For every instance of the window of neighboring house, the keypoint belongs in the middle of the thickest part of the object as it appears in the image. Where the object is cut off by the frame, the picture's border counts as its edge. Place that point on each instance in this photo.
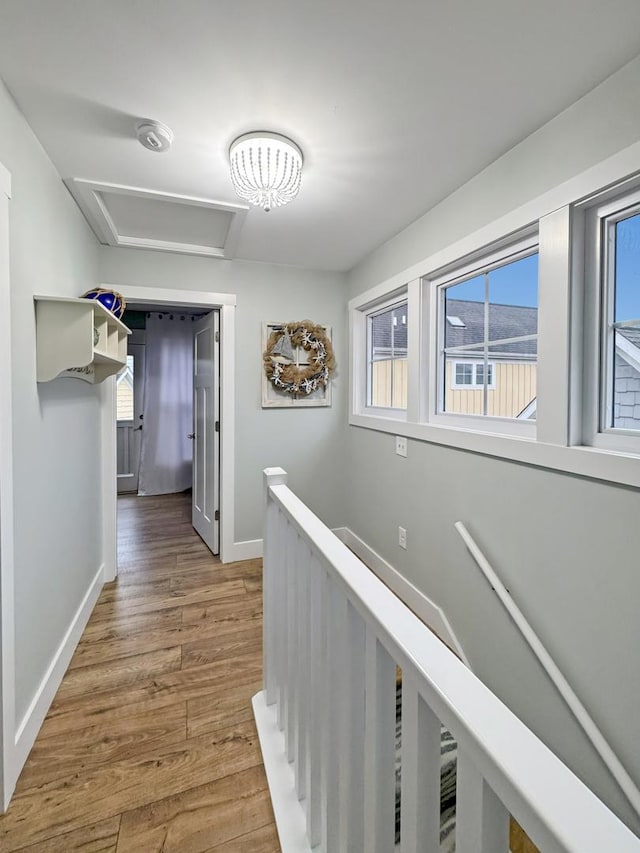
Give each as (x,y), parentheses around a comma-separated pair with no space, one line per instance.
(620,326)
(387,356)
(470,374)
(124,394)
(487,357)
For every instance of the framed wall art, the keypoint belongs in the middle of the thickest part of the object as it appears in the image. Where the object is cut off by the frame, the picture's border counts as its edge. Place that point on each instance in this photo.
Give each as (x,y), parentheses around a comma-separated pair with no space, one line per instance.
(298,363)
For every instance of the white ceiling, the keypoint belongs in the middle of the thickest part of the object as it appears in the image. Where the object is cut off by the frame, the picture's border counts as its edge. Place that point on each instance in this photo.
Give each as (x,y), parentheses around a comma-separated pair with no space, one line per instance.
(394,103)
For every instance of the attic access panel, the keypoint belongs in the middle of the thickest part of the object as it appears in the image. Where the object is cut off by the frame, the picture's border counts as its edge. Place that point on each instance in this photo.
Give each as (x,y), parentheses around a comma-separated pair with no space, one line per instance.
(146,219)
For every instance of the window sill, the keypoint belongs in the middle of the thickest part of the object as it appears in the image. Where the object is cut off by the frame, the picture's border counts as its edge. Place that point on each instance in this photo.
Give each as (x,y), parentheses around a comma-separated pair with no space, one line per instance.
(598,464)
(386,414)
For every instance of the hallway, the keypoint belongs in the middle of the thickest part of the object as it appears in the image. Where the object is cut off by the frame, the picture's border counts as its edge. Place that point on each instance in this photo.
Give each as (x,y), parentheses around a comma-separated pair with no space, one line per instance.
(150,743)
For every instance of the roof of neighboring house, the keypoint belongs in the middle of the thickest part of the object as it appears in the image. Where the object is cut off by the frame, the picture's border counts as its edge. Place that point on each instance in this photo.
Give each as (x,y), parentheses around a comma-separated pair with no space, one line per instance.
(381,333)
(632,335)
(505,321)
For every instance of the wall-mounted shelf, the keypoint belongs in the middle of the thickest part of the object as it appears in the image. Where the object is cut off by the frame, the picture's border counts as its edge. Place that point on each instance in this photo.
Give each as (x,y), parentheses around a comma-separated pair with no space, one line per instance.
(78,338)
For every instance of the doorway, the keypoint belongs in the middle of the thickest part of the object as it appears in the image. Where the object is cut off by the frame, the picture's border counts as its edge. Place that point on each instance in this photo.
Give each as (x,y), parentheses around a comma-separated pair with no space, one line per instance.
(165,299)
(168,411)
(129,417)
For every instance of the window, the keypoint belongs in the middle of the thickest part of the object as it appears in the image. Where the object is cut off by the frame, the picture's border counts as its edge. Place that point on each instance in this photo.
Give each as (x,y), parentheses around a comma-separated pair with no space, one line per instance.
(470,374)
(488,354)
(387,357)
(124,393)
(479,345)
(620,329)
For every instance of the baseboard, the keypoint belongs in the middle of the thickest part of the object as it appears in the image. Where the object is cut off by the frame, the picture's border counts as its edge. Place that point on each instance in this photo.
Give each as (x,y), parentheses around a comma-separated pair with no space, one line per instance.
(427,610)
(289,815)
(249,549)
(30,724)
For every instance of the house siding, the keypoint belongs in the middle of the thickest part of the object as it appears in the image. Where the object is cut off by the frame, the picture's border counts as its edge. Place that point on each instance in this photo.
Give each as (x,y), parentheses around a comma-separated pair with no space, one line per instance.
(626,396)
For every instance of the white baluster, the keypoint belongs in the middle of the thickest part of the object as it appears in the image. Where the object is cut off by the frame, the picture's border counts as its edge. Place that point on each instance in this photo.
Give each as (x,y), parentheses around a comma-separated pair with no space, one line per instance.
(482,822)
(318,699)
(292,642)
(303,667)
(420,800)
(270,569)
(352,747)
(380,719)
(281,621)
(335,720)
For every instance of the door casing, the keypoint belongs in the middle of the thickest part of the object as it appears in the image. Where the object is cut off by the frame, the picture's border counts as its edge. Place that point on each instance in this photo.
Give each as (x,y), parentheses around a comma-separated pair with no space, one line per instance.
(226,303)
(206,444)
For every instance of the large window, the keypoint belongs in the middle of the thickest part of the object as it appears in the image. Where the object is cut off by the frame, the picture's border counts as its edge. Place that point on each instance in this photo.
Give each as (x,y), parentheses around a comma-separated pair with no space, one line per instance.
(525,337)
(387,357)
(489,338)
(620,387)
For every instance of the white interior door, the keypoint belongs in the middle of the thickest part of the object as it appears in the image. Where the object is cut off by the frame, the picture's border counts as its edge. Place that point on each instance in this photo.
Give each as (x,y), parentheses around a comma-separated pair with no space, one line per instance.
(206,429)
(129,402)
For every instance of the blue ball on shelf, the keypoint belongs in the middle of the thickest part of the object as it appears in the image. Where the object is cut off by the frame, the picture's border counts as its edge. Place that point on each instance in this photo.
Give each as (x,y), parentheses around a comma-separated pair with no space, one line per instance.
(111,300)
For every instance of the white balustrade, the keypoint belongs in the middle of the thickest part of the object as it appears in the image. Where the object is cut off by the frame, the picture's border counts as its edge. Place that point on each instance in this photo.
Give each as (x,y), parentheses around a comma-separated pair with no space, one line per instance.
(333,635)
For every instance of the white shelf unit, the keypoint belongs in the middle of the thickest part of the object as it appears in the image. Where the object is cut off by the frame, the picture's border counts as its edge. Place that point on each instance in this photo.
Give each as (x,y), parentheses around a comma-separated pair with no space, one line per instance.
(78,338)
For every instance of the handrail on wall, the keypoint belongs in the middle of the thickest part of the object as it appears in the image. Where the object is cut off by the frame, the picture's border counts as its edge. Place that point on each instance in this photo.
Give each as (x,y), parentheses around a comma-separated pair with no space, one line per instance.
(601,745)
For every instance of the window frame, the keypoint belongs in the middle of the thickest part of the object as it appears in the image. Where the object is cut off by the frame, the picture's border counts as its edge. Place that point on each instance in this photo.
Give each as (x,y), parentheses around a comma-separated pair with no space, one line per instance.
(359,355)
(567,328)
(383,308)
(610,208)
(493,257)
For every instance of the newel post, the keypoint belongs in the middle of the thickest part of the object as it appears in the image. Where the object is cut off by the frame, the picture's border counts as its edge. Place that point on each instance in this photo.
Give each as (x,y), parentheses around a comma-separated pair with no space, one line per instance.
(272,477)
(273,552)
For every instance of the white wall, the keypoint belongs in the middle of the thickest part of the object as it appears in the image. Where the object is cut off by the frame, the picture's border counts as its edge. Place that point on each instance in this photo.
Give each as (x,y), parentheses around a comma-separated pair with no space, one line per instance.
(306,442)
(56,425)
(566,547)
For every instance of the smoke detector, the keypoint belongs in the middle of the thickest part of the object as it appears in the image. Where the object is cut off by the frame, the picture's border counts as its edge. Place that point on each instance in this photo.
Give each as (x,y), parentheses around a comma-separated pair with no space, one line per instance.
(154,135)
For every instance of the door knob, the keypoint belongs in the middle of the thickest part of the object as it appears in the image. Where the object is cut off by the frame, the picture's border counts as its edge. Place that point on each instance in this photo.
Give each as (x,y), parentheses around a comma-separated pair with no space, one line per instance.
(191,435)
(137,429)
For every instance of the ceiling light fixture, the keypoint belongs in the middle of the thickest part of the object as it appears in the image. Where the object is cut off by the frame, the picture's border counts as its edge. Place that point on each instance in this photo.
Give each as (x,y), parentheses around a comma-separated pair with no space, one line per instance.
(265,168)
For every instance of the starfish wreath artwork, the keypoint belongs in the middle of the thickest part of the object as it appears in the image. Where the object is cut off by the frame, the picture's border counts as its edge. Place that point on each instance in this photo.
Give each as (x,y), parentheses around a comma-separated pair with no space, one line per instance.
(279,358)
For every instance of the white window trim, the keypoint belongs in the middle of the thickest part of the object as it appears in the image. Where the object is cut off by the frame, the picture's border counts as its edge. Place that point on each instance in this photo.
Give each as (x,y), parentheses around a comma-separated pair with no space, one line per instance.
(360,375)
(599,359)
(560,443)
(434,320)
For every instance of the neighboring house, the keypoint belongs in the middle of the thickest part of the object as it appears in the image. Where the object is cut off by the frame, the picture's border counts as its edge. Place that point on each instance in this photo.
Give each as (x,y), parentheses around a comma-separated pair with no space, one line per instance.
(511,359)
(388,369)
(626,413)
(125,392)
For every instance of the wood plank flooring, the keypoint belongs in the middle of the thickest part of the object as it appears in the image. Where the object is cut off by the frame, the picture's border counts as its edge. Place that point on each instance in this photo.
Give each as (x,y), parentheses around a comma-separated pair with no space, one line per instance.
(150,743)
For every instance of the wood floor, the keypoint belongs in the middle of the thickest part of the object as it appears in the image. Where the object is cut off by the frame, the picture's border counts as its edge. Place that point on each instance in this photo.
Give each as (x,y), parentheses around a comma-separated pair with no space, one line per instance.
(150,743)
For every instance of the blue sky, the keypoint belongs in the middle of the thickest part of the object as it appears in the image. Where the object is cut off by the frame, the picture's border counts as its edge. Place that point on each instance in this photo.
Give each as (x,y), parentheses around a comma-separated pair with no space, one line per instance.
(628,269)
(513,284)
(517,283)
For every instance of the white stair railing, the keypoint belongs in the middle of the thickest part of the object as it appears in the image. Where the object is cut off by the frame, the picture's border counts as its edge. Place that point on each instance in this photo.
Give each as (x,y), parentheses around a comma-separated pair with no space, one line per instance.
(333,635)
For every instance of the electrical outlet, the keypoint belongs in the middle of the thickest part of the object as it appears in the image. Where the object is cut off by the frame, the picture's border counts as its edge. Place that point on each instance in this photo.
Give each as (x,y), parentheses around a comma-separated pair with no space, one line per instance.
(402,537)
(401,445)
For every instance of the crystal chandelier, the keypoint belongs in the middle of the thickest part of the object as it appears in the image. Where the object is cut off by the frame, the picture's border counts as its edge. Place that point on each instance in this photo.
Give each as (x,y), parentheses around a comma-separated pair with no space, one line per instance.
(265,168)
